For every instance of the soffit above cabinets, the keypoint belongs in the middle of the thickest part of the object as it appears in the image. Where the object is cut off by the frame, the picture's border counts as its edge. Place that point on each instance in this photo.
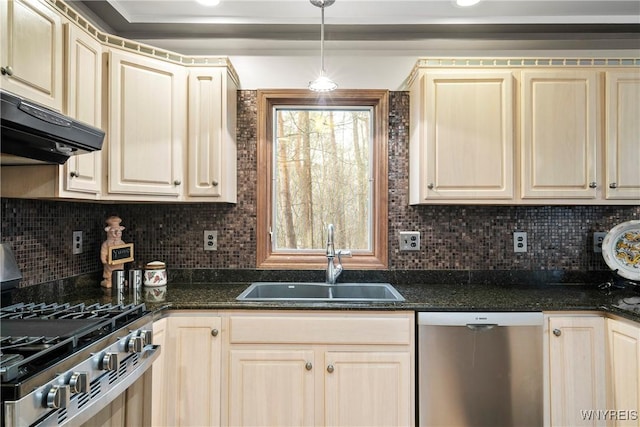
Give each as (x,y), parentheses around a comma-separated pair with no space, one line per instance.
(366,19)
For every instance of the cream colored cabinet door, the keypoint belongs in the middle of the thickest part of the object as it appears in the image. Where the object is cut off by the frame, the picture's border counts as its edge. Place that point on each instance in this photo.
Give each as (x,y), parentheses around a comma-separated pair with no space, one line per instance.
(83,173)
(211,163)
(192,361)
(559,128)
(624,370)
(622,143)
(367,389)
(327,368)
(147,127)
(31,52)
(462,136)
(270,387)
(576,346)
(159,376)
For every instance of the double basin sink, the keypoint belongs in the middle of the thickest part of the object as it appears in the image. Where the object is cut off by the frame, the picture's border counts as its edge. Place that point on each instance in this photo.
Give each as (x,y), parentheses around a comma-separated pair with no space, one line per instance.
(320,292)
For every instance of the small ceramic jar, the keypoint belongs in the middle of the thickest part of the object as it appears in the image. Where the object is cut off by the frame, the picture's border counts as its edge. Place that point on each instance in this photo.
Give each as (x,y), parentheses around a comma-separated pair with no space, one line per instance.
(155,274)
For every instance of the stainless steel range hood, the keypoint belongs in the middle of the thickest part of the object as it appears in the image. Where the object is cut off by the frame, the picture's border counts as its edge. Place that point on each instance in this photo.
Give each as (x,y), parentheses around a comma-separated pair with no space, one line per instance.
(32,133)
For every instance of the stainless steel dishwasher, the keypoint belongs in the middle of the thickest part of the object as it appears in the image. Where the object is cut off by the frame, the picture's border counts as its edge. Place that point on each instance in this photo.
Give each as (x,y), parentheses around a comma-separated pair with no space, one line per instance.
(480,369)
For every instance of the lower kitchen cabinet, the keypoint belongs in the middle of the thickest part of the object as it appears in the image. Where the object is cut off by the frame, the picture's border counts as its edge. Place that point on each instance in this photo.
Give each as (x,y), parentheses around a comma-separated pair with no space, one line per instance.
(624,372)
(367,388)
(330,368)
(575,376)
(271,387)
(158,400)
(187,392)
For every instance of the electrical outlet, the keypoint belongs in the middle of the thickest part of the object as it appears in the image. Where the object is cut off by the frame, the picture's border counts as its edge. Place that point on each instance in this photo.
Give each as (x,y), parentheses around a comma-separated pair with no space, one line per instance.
(77,242)
(409,240)
(210,240)
(520,241)
(598,237)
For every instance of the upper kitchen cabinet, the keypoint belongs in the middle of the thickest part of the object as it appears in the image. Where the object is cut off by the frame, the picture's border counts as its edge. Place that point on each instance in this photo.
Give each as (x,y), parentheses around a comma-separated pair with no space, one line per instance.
(211,154)
(524,131)
(82,174)
(622,135)
(559,131)
(31,55)
(147,128)
(462,131)
(80,177)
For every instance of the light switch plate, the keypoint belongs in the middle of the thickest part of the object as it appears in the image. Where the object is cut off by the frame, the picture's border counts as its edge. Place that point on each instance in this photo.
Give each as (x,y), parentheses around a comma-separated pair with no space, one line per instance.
(409,240)
(77,242)
(519,241)
(210,240)
(598,237)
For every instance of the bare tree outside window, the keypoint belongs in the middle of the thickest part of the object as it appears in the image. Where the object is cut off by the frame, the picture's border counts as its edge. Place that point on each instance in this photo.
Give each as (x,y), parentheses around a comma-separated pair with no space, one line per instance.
(323,176)
(322,159)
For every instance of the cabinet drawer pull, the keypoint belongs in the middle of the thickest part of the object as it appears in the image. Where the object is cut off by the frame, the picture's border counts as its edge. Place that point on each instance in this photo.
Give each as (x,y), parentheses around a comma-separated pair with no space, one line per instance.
(7,70)
(308,366)
(214,332)
(557,332)
(330,368)
(593,184)
(613,185)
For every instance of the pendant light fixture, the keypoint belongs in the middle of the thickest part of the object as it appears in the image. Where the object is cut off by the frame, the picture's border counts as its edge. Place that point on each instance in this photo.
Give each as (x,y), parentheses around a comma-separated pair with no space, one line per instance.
(322,83)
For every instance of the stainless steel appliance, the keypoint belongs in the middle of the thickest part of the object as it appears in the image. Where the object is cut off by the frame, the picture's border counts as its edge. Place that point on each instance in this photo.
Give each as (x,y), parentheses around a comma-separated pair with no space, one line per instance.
(32,131)
(61,364)
(10,274)
(480,369)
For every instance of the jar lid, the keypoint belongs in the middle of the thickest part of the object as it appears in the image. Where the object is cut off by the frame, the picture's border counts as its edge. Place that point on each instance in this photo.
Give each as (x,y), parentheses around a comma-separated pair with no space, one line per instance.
(155,265)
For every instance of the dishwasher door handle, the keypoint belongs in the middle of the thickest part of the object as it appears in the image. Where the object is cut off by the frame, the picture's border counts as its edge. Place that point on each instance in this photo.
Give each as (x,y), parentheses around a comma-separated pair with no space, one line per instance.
(481,326)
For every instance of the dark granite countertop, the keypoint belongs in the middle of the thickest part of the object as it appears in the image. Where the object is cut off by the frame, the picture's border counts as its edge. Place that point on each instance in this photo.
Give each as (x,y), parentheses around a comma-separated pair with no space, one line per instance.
(419,297)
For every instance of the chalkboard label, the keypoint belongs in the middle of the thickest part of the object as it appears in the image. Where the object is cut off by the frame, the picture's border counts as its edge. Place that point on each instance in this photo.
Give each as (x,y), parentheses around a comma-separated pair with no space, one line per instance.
(120,254)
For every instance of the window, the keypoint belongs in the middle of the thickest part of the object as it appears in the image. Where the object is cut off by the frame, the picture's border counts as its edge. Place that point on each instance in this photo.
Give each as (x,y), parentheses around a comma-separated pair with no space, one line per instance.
(321,160)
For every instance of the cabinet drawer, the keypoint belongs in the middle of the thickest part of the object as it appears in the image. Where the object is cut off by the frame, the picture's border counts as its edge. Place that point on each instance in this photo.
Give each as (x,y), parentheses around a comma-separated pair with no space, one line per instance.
(334,329)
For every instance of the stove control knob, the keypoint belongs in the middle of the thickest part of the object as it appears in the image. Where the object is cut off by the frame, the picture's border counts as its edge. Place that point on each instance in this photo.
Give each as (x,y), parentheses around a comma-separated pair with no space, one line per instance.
(136,344)
(148,336)
(58,397)
(109,362)
(79,382)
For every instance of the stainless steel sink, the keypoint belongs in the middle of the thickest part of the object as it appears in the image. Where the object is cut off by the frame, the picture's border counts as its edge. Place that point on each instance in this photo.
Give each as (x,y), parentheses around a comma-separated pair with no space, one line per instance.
(320,292)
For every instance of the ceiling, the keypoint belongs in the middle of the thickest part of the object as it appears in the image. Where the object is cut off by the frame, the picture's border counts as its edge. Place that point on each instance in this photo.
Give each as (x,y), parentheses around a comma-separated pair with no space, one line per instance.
(369,19)
(369,43)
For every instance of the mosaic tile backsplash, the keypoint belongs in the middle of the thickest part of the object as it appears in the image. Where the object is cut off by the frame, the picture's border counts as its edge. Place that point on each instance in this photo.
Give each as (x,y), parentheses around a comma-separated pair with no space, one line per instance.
(457,238)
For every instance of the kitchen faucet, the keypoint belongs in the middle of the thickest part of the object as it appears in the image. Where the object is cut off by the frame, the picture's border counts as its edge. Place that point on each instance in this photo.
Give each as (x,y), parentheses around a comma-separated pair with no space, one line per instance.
(333,270)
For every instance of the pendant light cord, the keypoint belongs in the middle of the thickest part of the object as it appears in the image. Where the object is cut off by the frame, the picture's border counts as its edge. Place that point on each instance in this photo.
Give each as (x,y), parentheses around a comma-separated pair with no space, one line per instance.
(322,41)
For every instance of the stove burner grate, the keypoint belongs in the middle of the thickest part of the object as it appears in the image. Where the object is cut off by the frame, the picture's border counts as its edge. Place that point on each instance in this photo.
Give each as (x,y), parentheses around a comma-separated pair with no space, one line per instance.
(44,334)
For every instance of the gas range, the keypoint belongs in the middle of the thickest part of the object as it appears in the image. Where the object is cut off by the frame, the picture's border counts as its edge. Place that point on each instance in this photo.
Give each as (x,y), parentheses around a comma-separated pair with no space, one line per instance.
(62,363)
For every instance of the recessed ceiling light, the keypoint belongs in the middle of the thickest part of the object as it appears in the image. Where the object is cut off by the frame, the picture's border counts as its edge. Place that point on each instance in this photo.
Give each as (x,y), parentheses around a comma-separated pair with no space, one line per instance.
(465,3)
(209,2)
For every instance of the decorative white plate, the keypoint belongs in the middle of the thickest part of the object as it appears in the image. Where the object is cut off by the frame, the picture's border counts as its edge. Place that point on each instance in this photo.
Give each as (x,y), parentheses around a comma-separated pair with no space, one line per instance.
(621,249)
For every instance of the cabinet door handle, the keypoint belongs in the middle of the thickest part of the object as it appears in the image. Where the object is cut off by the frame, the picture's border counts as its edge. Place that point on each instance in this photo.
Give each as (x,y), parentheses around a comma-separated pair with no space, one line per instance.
(177,182)
(330,368)
(6,70)
(557,332)
(430,186)
(613,185)
(214,183)
(308,366)
(74,174)
(214,332)
(593,184)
